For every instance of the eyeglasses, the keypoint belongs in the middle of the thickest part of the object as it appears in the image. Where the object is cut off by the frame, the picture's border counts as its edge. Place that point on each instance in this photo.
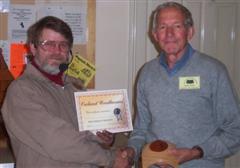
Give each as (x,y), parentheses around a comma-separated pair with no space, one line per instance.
(48,45)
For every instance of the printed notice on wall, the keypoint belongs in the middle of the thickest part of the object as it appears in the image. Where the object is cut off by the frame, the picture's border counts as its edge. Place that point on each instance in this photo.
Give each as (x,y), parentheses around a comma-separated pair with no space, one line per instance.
(82,69)
(17,59)
(75,16)
(21,17)
(4,45)
(4,6)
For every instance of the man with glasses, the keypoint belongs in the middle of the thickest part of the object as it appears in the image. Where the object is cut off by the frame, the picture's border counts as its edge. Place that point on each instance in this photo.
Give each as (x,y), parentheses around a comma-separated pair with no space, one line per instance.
(39,110)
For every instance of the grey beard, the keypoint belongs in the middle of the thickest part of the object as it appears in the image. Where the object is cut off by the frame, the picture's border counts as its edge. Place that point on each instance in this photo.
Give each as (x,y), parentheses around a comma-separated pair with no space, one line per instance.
(53,70)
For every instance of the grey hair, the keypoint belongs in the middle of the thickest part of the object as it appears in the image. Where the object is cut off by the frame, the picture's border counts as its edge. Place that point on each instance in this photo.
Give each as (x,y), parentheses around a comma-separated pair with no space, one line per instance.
(188,22)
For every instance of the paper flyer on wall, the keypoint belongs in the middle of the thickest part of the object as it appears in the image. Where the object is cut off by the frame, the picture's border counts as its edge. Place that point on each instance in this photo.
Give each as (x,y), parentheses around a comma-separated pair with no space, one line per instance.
(82,69)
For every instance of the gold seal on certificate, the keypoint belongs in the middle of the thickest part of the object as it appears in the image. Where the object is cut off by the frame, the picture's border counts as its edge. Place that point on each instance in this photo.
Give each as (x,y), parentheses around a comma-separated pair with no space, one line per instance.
(103,110)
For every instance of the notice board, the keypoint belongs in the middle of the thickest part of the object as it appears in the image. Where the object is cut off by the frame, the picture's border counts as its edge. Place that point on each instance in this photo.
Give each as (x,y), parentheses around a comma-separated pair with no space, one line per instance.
(17,15)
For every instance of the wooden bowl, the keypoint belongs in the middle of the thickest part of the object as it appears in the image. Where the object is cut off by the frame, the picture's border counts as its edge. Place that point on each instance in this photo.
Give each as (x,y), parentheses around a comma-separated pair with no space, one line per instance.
(157,152)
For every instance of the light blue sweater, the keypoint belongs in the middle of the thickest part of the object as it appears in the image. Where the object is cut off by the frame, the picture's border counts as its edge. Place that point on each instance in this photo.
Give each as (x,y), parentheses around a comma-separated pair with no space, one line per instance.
(208,117)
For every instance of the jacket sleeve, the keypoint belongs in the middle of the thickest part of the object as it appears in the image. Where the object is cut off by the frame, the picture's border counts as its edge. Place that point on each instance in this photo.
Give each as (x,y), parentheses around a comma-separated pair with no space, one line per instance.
(30,122)
(226,140)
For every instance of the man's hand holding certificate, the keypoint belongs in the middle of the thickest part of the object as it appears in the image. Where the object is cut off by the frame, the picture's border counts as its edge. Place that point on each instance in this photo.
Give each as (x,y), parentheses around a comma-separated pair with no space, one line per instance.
(103,110)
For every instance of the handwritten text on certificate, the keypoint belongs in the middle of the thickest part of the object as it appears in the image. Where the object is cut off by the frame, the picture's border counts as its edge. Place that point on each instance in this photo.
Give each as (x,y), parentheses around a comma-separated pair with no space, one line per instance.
(103,110)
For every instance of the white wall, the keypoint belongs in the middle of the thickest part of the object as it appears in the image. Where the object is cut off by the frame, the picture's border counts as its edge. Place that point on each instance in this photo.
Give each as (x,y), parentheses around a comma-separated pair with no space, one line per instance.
(112,40)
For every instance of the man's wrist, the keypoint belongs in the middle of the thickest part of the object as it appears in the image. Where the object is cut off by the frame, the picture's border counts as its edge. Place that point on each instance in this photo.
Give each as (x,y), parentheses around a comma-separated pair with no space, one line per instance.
(199,150)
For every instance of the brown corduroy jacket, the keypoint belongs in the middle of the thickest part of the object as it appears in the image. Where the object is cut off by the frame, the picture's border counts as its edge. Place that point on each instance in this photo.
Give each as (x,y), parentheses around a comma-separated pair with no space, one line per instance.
(41,120)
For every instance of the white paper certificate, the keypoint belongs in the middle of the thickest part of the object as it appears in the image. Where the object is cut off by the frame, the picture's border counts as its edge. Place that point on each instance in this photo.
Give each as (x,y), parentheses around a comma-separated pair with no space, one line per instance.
(103,110)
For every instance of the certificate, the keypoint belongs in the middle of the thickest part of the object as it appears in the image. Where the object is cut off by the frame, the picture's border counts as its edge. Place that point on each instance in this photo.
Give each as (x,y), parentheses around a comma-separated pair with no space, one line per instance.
(103,110)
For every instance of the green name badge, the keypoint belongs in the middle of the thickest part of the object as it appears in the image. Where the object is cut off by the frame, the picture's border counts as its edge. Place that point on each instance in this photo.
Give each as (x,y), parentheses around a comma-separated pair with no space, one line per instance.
(189,82)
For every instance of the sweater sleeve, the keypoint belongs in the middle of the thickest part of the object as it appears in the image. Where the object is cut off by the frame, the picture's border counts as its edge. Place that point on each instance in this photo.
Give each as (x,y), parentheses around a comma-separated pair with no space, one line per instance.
(30,122)
(141,123)
(226,139)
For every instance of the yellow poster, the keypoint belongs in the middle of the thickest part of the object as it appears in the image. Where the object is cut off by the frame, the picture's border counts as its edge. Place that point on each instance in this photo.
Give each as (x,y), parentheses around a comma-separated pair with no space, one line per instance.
(82,69)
